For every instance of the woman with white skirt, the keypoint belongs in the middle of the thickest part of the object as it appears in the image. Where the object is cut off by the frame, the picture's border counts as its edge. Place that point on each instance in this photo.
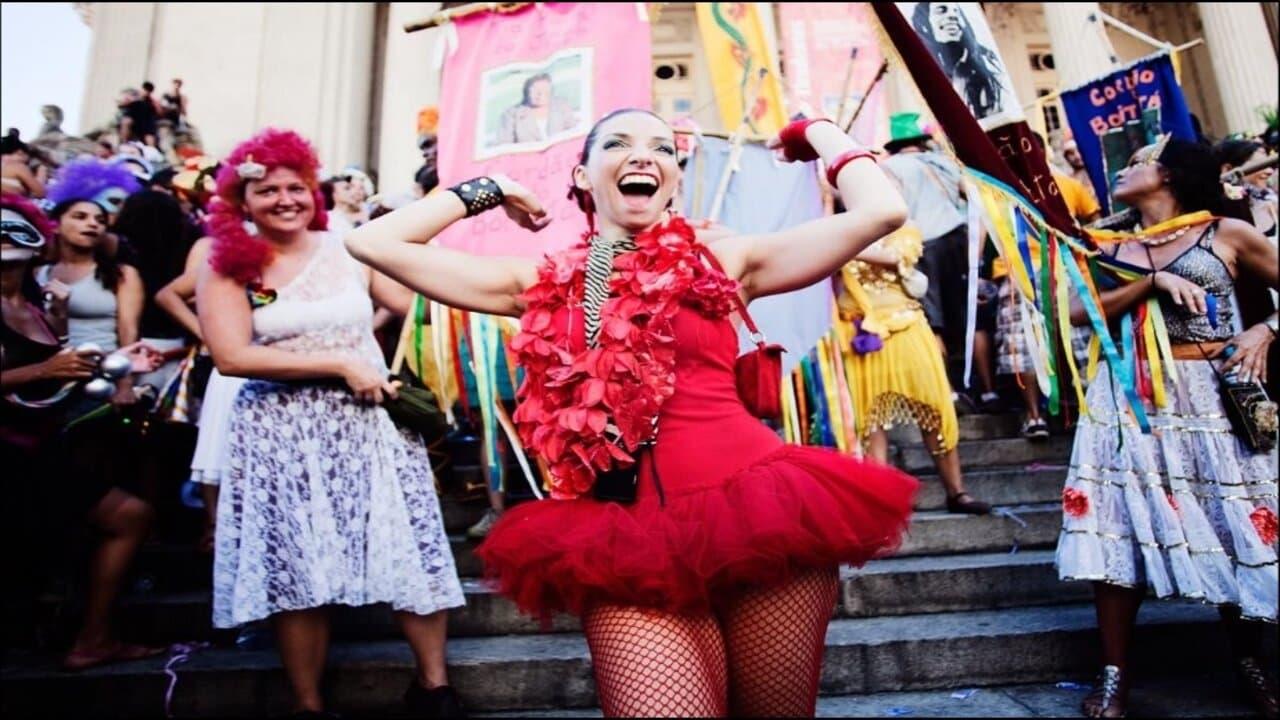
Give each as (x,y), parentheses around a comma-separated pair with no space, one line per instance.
(324,500)
(1188,509)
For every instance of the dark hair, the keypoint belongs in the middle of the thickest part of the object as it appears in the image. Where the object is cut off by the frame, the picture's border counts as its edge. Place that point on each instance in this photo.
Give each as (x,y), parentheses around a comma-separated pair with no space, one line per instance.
(1193,176)
(11,143)
(577,194)
(159,233)
(967,58)
(147,86)
(427,178)
(1235,153)
(107,269)
(326,191)
(528,83)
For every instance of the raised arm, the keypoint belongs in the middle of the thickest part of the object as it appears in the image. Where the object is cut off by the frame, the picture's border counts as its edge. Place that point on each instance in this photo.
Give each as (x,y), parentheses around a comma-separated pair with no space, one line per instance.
(395,244)
(175,297)
(796,257)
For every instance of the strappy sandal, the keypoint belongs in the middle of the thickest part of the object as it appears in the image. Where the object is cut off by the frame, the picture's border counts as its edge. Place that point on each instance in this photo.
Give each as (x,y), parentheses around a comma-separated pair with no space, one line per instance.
(969,506)
(77,660)
(1259,688)
(1104,701)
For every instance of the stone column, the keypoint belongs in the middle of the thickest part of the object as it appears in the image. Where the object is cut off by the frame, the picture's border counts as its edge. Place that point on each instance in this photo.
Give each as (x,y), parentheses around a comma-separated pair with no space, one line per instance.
(119,58)
(1080,48)
(1244,62)
(410,81)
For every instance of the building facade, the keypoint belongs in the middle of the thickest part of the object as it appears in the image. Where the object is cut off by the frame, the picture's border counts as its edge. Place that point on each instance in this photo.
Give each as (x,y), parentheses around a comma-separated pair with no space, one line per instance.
(350,78)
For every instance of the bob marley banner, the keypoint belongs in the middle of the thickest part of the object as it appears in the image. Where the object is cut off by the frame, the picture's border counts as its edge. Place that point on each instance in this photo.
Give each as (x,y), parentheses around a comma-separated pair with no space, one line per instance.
(1113,116)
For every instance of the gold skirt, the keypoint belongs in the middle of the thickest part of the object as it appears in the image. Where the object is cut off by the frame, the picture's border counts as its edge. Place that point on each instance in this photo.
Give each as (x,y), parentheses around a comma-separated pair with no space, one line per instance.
(903,382)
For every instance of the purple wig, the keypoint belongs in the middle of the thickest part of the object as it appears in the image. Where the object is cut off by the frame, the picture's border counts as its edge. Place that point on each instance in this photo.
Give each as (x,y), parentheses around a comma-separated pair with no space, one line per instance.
(86,179)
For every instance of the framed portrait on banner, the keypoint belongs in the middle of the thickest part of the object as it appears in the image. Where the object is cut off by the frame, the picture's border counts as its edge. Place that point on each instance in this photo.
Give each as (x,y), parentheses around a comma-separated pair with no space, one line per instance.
(530,106)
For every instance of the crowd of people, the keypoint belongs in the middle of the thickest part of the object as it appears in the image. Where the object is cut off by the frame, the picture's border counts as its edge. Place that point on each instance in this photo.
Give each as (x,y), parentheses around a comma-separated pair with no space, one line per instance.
(176,319)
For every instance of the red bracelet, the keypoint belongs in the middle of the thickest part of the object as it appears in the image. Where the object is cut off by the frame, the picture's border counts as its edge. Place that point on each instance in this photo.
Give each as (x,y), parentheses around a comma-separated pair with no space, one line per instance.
(844,158)
(795,146)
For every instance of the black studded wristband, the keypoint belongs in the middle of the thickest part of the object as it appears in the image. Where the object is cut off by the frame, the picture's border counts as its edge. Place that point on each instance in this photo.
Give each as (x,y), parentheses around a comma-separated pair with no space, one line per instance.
(478,194)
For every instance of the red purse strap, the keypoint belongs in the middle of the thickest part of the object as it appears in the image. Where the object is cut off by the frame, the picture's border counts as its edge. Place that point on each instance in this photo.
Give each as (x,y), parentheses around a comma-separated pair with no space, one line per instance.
(756,336)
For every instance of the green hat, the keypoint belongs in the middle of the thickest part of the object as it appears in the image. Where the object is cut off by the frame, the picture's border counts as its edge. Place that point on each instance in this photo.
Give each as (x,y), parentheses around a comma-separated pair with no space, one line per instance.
(904,129)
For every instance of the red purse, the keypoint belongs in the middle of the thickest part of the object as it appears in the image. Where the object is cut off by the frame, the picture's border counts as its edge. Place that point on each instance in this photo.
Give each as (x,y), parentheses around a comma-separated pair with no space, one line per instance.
(757,374)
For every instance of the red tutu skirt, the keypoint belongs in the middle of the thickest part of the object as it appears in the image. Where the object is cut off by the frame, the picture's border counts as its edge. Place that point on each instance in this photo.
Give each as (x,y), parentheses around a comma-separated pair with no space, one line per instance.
(795,509)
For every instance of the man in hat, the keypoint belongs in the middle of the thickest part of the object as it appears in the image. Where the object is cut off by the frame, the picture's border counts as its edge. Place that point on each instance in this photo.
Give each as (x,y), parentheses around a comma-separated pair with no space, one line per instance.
(930,183)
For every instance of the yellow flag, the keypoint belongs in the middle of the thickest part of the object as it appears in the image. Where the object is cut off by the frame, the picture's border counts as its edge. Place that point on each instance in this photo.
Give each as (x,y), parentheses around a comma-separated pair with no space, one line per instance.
(734,40)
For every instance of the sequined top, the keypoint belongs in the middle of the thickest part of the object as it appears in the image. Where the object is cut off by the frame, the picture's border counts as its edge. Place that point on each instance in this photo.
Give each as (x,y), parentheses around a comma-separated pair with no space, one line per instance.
(883,288)
(1200,265)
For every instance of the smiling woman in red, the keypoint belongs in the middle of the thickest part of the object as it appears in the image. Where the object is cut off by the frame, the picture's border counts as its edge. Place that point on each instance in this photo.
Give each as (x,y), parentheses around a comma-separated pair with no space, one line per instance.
(708,590)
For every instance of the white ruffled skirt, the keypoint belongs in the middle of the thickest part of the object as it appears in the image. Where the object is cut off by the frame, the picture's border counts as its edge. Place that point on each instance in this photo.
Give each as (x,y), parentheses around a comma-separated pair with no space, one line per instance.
(209,461)
(1188,510)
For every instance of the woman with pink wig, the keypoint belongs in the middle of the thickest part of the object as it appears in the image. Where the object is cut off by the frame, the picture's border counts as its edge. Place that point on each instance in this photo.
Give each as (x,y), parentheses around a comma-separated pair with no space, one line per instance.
(325,501)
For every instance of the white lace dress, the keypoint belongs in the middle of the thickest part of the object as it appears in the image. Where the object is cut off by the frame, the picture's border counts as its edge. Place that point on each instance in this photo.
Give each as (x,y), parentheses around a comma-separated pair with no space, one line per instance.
(324,501)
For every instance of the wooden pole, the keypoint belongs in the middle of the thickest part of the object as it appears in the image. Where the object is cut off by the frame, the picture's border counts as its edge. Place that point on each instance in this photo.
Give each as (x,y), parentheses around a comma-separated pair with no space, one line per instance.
(884,69)
(445,16)
(845,87)
(735,148)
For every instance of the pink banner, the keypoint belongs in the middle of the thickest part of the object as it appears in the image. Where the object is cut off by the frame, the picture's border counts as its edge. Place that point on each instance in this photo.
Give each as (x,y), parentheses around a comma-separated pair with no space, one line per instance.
(519,93)
(818,39)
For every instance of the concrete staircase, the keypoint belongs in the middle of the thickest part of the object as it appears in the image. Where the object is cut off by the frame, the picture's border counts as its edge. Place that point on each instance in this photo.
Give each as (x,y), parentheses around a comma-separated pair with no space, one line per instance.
(968,602)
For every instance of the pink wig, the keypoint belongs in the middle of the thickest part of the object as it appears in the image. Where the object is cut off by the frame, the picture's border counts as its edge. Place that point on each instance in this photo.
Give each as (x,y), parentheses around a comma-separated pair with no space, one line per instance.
(235,252)
(86,179)
(31,213)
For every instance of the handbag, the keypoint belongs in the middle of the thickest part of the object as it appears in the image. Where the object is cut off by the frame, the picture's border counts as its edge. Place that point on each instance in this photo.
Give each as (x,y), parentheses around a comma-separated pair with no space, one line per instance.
(1251,413)
(415,408)
(757,374)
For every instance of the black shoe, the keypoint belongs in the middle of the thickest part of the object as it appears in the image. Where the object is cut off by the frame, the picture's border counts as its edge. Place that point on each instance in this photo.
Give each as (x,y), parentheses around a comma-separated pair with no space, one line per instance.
(989,403)
(968,506)
(440,702)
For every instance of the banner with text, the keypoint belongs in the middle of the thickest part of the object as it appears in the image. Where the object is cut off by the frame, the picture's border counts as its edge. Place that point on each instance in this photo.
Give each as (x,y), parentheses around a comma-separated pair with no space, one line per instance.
(824,76)
(518,95)
(1113,116)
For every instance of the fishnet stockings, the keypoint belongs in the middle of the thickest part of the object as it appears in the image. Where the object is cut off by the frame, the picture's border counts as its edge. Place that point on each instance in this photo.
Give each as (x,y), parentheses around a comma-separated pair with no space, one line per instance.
(775,637)
(759,656)
(654,664)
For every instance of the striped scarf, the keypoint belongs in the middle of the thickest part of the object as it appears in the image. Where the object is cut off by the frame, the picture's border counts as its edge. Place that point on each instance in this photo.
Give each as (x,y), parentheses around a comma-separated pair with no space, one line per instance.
(599,267)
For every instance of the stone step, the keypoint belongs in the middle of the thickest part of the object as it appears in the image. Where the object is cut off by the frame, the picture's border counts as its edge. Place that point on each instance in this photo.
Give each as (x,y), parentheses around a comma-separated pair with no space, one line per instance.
(1011,485)
(957,583)
(931,533)
(941,533)
(972,427)
(895,586)
(168,568)
(916,459)
(1016,485)
(1209,695)
(866,655)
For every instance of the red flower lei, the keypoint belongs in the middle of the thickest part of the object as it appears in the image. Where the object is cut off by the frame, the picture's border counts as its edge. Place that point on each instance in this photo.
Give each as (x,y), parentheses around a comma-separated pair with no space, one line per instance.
(569,397)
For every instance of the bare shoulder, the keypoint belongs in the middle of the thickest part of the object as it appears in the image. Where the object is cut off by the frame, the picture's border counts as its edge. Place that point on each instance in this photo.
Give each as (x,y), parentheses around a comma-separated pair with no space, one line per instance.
(1232,230)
